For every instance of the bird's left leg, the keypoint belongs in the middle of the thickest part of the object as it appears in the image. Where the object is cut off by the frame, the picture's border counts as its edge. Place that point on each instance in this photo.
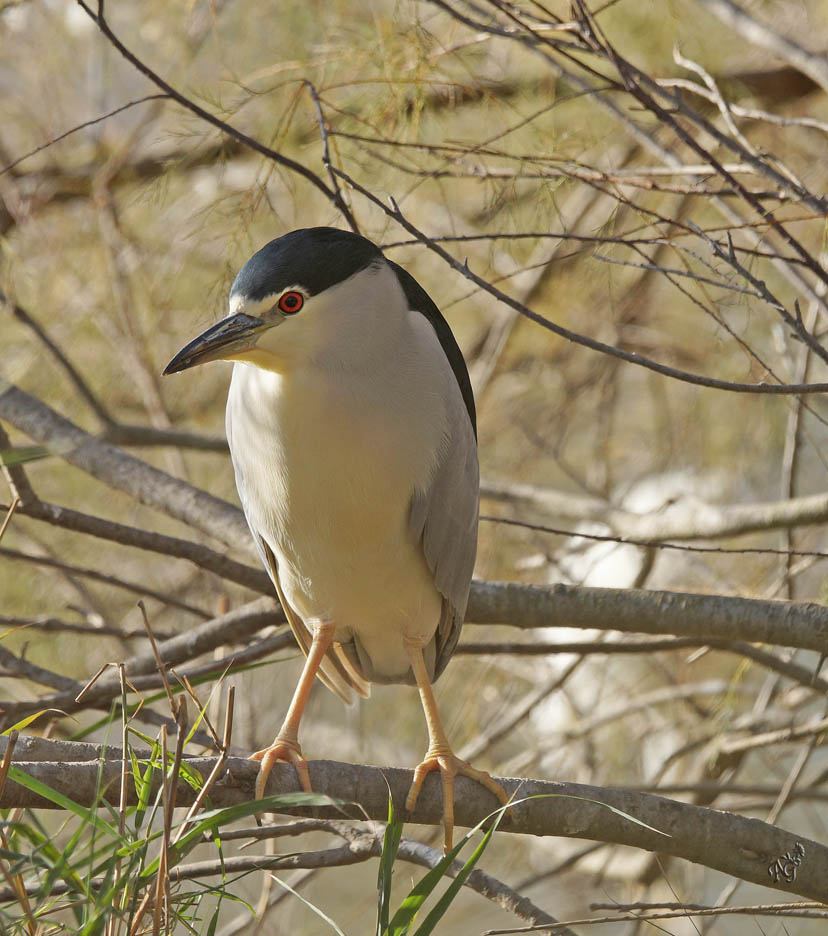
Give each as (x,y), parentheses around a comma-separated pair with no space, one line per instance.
(285,745)
(439,755)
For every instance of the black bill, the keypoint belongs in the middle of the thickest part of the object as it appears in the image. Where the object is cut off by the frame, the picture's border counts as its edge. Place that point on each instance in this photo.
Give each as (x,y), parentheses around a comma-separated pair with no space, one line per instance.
(229,336)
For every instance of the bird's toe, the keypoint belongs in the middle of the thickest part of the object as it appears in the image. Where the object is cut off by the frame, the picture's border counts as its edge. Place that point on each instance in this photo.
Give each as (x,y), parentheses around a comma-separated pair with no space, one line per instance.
(450,766)
(281,750)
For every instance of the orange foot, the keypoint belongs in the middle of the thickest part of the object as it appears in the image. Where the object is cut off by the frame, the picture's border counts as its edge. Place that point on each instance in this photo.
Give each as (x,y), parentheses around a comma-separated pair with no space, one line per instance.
(449,766)
(285,750)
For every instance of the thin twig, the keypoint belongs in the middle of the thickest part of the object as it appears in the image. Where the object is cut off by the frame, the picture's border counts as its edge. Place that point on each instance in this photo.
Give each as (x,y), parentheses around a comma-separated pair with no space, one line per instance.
(593,344)
(81,126)
(169,91)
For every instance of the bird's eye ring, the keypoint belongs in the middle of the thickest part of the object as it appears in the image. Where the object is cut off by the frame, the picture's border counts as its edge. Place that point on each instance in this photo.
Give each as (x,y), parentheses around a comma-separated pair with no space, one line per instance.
(291,302)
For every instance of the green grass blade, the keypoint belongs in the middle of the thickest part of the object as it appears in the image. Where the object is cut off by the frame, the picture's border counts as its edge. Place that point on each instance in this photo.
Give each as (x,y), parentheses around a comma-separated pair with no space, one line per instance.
(95,925)
(308,904)
(25,722)
(143,782)
(21,454)
(61,863)
(409,908)
(42,789)
(405,916)
(452,890)
(390,846)
(211,820)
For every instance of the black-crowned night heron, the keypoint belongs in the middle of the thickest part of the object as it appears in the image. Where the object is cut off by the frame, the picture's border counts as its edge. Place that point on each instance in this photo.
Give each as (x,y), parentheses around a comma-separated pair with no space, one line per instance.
(351,425)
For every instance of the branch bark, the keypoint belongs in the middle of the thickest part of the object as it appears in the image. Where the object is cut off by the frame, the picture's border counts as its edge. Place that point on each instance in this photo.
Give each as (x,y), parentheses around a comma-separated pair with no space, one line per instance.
(146,484)
(725,618)
(651,612)
(742,847)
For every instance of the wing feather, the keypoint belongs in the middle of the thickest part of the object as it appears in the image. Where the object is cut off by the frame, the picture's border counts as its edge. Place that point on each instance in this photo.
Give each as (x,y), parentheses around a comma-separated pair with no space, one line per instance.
(444,519)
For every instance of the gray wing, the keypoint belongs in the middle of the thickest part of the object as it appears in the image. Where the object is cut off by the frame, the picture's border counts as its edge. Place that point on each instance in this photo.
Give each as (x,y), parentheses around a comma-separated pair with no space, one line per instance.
(444,519)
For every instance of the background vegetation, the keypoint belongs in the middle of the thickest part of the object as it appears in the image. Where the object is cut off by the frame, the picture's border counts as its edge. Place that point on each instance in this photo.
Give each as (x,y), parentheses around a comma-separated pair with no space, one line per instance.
(620,212)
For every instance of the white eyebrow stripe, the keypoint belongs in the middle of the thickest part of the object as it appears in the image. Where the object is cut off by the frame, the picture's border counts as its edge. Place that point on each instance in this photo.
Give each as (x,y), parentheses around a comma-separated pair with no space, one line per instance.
(237,304)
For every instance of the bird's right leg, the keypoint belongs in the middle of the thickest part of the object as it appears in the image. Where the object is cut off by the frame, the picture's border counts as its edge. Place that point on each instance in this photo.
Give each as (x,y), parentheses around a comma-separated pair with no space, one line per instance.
(285,745)
(439,755)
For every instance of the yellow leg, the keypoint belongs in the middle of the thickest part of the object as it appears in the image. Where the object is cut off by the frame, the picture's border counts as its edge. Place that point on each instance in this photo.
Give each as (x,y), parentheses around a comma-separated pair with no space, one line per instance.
(285,745)
(439,755)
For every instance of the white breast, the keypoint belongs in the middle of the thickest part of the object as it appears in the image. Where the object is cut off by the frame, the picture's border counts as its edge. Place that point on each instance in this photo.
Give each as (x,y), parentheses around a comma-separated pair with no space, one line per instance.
(326,462)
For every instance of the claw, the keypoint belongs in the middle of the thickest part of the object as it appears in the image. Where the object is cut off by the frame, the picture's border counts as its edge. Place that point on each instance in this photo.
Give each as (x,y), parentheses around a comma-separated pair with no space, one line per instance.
(450,766)
(281,750)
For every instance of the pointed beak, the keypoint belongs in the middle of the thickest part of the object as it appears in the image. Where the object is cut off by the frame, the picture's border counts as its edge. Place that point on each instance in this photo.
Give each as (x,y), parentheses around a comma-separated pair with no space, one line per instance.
(219,342)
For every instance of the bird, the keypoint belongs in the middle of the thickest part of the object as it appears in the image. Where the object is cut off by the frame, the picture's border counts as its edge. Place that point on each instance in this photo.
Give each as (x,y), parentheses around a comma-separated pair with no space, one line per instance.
(352,431)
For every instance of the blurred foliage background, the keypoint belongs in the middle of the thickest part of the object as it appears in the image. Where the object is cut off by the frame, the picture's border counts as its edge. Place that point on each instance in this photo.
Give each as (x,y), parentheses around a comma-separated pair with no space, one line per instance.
(121,241)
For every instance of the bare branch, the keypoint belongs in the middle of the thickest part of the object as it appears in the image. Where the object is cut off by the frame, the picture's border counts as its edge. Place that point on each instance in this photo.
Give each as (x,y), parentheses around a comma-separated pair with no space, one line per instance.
(75,129)
(115,581)
(23,669)
(651,612)
(745,848)
(593,344)
(683,520)
(794,909)
(812,64)
(60,356)
(784,667)
(326,159)
(169,91)
(232,627)
(794,733)
(147,485)
(202,556)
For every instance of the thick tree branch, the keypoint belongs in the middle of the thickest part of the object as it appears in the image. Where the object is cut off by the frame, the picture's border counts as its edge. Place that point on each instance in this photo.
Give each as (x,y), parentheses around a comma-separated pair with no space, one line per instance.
(147,485)
(744,848)
(651,612)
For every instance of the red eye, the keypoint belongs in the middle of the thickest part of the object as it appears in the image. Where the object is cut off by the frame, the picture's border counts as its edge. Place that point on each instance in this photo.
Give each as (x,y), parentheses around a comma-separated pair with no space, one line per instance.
(291,302)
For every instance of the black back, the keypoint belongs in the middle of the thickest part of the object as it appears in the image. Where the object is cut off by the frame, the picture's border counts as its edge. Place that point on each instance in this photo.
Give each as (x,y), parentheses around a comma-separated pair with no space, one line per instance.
(420,301)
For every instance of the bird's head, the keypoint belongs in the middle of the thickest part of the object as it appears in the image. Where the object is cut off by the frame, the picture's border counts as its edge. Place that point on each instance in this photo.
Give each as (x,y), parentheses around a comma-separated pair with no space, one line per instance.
(301,280)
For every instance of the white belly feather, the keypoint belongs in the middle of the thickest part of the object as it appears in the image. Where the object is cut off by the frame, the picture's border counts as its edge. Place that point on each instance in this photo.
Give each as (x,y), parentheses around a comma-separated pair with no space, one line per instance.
(331,496)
